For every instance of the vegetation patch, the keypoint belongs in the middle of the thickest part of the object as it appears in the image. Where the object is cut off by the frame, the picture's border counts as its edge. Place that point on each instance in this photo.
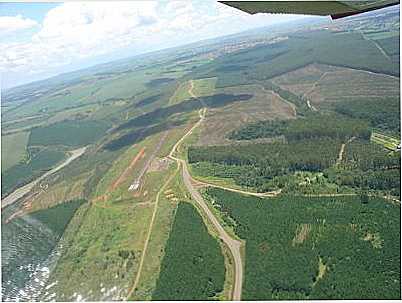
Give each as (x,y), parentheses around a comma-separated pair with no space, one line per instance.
(148,100)
(254,165)
(159,81)
(69,133)
(318,126)
(332,259)
(382,113)
(368,166)
(39,161)
(193,266)
(13,149)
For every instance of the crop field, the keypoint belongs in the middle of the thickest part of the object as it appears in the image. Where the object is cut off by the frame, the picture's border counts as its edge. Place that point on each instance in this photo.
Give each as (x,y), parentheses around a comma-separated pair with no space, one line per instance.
(13,149)
(386,141)
(379,35)
(310,248)
(199,87)
(73,96)
(15,125)
(181,93)
(390,44)
(68,133)
(193,266)
(204,87)
(90,90)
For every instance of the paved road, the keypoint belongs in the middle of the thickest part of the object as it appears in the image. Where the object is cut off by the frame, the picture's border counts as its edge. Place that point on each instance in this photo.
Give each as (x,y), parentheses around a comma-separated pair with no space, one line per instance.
(22,191)
(233,244)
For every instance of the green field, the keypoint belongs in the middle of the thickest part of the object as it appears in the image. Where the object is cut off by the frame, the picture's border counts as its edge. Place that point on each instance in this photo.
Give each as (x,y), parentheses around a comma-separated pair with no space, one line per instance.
(204,87)
(68,133)
(315,248)
(102,254)
(38,162)
(193,266)
(13,149)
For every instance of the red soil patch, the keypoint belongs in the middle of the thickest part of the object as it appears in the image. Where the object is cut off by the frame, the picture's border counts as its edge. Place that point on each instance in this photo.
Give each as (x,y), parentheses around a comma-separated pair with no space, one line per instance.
(123,176)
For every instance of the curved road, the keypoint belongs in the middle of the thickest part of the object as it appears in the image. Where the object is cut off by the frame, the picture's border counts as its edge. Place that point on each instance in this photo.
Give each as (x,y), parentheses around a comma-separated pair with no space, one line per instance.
(233,244)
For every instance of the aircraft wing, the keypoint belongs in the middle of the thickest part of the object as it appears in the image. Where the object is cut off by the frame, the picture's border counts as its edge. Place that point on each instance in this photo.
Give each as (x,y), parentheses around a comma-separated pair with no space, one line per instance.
(336,9)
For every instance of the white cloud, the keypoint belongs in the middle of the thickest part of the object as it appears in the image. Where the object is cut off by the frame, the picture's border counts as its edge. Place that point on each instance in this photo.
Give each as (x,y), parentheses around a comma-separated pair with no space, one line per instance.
(10,24)
(73,31)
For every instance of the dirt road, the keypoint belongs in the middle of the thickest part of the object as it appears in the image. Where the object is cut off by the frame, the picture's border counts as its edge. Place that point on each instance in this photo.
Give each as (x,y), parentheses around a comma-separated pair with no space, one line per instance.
(261,195)
(190,90)
(22,191)
(342,150)
(137,277)
(233,244)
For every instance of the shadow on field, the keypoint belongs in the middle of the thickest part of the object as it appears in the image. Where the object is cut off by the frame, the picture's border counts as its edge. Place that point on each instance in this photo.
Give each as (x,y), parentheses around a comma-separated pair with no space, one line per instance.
(161,114)
(158,120)
(140,134)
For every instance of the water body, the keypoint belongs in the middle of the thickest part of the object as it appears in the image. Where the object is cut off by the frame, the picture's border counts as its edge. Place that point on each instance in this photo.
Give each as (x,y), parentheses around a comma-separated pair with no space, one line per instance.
(30,249)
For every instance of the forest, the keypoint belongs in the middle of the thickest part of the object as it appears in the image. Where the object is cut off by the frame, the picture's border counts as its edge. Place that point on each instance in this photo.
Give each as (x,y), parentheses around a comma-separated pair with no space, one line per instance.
(368,167)
(315,126)
(382,113)
(262,162)
(315,247)
(193,266)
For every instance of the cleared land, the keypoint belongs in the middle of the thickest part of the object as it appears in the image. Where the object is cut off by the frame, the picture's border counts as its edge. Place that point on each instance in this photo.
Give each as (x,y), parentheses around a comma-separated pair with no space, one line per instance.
(264,105)
(325,84)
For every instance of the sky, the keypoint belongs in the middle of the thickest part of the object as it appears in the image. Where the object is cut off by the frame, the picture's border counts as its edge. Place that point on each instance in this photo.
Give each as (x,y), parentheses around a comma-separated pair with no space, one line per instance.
(40,40)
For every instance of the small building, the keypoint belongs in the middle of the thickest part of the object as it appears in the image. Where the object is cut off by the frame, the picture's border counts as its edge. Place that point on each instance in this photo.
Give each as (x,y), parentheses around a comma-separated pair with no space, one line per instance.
(134,186)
